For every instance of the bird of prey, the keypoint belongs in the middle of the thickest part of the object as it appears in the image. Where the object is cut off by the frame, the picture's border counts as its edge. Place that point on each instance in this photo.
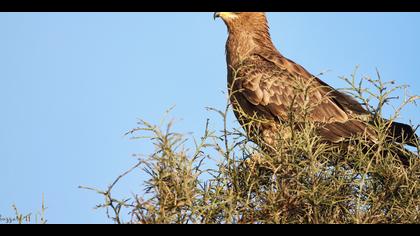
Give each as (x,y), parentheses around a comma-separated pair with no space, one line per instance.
(264,90)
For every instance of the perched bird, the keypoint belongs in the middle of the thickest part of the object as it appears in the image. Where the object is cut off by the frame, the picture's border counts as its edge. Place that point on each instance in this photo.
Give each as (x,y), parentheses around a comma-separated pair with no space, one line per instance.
(266,90)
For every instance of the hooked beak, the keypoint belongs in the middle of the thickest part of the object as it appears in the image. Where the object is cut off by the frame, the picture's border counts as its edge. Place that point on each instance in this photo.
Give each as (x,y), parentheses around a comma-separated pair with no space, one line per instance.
(215,15)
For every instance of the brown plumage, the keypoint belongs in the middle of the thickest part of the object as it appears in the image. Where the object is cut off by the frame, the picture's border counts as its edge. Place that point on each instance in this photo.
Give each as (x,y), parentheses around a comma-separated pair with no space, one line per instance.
(267,87)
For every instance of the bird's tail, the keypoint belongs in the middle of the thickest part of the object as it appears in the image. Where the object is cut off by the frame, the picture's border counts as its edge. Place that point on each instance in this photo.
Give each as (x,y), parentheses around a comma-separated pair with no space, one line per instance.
(405,155)
(403,133)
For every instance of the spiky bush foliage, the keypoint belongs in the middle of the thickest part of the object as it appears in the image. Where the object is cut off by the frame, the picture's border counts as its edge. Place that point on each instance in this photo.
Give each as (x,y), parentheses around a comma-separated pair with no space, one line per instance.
(226,178)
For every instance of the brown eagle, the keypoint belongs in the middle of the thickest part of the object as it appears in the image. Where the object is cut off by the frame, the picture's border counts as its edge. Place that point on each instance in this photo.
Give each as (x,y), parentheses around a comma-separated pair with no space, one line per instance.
(264,89)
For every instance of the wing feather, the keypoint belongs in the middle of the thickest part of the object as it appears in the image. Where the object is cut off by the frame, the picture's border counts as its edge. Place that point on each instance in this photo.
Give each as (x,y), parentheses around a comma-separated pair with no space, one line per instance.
(277,89)
(274,84)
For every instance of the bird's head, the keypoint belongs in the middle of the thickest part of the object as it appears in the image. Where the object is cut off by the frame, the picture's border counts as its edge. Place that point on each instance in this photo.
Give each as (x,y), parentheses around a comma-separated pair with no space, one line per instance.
(242,20)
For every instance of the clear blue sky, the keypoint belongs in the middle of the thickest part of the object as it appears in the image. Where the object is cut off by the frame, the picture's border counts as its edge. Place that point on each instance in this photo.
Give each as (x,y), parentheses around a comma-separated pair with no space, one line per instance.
(71,84)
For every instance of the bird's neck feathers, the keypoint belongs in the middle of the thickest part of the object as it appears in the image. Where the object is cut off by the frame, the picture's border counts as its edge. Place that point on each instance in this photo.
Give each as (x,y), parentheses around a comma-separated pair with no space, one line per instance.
(244,40)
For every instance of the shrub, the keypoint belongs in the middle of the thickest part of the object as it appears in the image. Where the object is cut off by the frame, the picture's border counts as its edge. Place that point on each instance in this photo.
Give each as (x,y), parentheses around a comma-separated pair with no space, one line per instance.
(226,178)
